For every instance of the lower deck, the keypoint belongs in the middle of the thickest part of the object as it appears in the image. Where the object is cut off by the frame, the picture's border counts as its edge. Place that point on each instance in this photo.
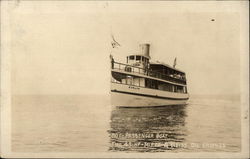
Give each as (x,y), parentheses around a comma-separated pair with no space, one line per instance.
(140,81)
(134,96)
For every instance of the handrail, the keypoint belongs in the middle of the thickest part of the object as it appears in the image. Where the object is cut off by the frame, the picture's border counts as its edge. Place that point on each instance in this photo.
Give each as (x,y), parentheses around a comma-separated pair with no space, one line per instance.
(146,72)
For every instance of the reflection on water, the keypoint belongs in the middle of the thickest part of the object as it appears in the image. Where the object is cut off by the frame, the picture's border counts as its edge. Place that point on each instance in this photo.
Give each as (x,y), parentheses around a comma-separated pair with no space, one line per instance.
(148,129)
(59,123)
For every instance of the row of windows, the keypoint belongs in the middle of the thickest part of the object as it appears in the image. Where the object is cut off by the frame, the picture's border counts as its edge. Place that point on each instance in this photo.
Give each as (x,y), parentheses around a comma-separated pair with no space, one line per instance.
(148,83)
(165,86)
(138,58)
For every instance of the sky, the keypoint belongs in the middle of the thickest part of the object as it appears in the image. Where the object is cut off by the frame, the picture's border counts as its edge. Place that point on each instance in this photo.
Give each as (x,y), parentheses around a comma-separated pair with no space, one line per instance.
(63,47)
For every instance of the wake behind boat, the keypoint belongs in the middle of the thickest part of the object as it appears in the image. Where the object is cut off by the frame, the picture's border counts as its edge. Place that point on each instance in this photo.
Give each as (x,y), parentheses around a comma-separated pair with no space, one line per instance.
(141,83)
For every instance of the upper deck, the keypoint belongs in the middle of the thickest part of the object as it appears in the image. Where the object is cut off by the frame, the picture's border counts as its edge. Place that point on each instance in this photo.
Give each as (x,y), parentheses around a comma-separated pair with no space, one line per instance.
(172,76)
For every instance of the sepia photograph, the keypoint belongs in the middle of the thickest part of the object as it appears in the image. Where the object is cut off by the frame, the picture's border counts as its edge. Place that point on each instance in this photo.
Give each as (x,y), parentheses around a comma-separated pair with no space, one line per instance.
(124,79)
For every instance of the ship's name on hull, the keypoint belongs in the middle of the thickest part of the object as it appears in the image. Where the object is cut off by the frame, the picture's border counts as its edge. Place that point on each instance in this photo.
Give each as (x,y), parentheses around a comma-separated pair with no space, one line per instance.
(132,87)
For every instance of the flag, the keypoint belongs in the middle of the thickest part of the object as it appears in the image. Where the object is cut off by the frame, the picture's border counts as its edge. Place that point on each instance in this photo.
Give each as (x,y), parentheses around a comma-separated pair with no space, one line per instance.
(114,43)
(175,62)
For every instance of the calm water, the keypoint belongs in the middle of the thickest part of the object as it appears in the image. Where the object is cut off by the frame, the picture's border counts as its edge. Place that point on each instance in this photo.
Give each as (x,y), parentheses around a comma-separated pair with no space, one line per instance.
(89,124)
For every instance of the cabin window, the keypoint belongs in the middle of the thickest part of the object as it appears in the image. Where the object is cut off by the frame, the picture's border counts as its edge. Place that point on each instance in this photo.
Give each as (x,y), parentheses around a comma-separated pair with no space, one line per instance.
(131,57)
(185,89)
(129,80)
(138,58)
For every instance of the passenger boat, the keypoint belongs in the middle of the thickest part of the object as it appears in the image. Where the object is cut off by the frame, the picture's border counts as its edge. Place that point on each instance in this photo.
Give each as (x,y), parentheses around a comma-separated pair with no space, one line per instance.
(141,83)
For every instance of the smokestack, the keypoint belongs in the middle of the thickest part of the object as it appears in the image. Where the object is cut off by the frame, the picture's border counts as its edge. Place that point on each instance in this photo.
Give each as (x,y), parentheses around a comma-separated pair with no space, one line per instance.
(144,49)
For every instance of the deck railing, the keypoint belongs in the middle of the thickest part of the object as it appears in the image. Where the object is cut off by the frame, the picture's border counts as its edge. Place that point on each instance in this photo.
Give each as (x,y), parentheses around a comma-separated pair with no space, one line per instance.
(134,69)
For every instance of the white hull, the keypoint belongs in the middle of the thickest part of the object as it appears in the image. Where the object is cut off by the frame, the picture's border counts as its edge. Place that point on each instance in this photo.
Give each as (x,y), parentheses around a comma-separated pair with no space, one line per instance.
(132,96)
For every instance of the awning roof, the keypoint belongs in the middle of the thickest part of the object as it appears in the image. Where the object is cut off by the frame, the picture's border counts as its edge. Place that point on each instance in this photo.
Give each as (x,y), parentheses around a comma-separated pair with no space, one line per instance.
(166,65)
